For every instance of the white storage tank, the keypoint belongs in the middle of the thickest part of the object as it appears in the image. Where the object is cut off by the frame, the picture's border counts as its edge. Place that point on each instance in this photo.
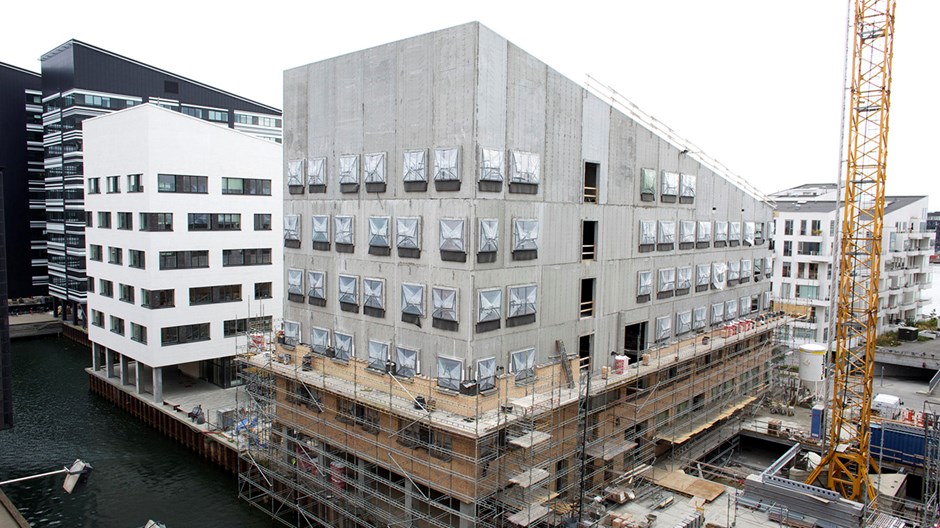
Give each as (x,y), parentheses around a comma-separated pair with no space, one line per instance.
(812,366)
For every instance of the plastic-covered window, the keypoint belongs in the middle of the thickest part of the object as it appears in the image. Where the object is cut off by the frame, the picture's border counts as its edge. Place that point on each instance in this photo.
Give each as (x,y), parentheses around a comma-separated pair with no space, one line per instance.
(291,332)
(522,363)
(373,293)
(663,328)
(749,233)
(644,283)
(702,274)
(765,300)
(452,234)
(321,228)
(449,372)
(731,309)
(734,270)
(769,267)
(718,274)
(683,322)
(525,167)
(374,167)
(406,362)
(699,318)
(414,167)
(647,232)
(490,305)
(667,231)
(319,340)
(316,284)
(343,347)
(349,169)
(378,355)
(718,312)
(295,172)
(491,165)
(721,231)
(667,280)
(525,235)
(744,306)
(412,299)
(683,277)
(745,268)
(407,232)
(704,232)
(687,185)
(444,304)
(734,232)
(522,300)
(292,227)
(647,181)
(486,373)
(343,229)
(687,232)
(446,164)
(316,171)
(489,235)
(378,231)
(295,281)
(670,184)
(348,289)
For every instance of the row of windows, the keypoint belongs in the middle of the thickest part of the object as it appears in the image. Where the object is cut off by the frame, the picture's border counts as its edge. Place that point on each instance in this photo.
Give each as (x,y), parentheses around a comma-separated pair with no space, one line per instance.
(265,121)
(672,186)
(176,335)
(716,275)
(452,236)
(157,299)
(113,184)
(522,300)
(179,183)
(523,171)
(172,260)
(661,235)
(698,318)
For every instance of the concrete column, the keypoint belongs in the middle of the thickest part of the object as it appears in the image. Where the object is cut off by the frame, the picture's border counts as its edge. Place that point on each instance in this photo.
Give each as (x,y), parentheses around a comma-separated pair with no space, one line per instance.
(125,369)
(140,377)
(95,358)
(108,362)
(467,514)
(158,385)
(409,492)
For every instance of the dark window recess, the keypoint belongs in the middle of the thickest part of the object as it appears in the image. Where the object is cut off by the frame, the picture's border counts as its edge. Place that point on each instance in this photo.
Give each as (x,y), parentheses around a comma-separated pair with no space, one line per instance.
(295,297)
(416,186)
(183,259)
(175,335)
(484,257)
(381,251)
(375,187)
(520,320)
(171,87)
(445,324)
(587,297)
(447,185)
(454,256)
(373,312)
(489,326)
(349,307)
(263,290)
(523,188)
(292,243)
(215,294)
(634,340)
(591,171)
(585,347)
(525,254)
(345,248)
(588,240)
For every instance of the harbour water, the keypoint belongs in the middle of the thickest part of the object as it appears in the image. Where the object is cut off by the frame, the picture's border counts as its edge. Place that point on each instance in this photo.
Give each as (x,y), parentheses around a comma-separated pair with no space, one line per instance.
(138,475)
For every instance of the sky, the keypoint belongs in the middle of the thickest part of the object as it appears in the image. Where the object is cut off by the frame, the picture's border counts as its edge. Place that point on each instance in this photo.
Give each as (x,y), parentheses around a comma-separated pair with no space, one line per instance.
(755,84)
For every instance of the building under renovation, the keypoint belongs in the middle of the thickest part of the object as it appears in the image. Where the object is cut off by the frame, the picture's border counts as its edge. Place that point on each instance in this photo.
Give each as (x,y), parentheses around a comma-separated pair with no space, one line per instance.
(505,293)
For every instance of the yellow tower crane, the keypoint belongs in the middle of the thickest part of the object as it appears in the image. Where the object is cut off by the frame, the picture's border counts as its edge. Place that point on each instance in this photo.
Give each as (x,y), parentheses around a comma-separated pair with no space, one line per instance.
(847,460)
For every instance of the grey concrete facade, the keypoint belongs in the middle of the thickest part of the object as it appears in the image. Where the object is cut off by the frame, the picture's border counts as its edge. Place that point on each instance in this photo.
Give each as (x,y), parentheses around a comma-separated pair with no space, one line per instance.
(467,87)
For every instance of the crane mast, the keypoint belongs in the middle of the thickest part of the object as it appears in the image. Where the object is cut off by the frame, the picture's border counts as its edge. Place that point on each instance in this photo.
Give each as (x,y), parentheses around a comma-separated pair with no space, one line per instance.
(847,460)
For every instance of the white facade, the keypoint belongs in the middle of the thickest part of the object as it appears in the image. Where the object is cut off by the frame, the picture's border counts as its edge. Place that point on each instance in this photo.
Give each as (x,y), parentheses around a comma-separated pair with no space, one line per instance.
(804,244)
(183,164)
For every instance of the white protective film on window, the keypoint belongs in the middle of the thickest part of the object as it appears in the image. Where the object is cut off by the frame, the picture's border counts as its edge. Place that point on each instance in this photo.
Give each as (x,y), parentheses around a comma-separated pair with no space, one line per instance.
(373,293)
(522,300)
(349,169)
(647,232)
(320,228)
(683,322)
(525,234)
(414,166)
(295,172)
(486,373)
(719,270)
(489,235)
(348,289)
(721,231)
(687,232)
(734,232)
(378,355)
(525,167)
(663,328)
(522,363)
(731,309)
(749,230)
(703,273)
(644,283)
(451,238)
(444,304)
(406,362)
(670,184)
(769,266)
(291,227)
(765,300)
(316,171)
(490,305)
(667,280)
(378,231)
(449,373)
(704,233)
(374,167)
(491,165)
(407,230)
(319,340)
(344,346)
(412,299)
(316,284)
(295,281)
(718,312)
(291,332)
(667,231)
(699,318)
(734,270)
(687,185)
(745,268)
(683,277)
(647,181)
(744,306)
(446,164)
(343,229)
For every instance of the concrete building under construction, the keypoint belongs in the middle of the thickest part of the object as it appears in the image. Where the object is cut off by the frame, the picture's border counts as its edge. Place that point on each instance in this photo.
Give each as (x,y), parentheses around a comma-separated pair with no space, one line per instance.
(506,293)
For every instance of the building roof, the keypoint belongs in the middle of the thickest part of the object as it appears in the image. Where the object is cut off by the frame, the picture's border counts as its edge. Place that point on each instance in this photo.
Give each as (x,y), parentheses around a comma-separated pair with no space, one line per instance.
(892,203)
(18,69)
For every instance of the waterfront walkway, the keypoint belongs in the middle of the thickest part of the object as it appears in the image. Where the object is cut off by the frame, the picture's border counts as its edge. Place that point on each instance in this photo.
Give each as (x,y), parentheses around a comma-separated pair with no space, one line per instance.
(34,324)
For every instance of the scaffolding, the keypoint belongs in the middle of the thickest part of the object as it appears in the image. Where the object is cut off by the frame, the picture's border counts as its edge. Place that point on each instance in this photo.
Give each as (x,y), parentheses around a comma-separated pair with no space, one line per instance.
(931,495)
(331,441)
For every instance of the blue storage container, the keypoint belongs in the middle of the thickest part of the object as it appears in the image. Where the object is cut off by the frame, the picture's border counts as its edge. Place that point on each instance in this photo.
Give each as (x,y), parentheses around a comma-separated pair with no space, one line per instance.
(817,421)
(900,443)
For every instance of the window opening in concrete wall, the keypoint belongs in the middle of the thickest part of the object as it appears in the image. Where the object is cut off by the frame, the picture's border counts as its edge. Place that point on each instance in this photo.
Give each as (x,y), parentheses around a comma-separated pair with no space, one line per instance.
(634,340)
(292,231)
(378,355)
(663,328)
(687,188)
(522,364)
(486,374)
(585,349)
(348,293)
(588,240)
(320,227)
(591,171)
(666,240)
(295,176)
(648,185)
(295,284)
(734,234)
(644,286)
(647,235)
(703,274)
(316,175)
(379,238)
(683,322)
(525,239)
(524,176)
(686,234)
(373,297)
(412,303)
(343,234)
(320,341)
(489,309)
(670,187)
(444,308)
(451,241)
(449,373)
(587,297)
(488,240)
(343,348)
(699,318)
(374,170)
(683,280)
(407,237)
(447,169)
(349,173)
(721,233)
(492,166)
(522,305)
(407,364)
(703,235)
(414,171)
(666,284)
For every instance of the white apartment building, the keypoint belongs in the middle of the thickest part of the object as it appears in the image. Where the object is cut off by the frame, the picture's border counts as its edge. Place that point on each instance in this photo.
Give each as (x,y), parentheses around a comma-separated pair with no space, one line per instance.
(805,232)
(183,239)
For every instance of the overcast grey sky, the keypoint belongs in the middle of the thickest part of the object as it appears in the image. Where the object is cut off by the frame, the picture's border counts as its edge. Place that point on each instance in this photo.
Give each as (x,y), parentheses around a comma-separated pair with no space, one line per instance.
(755,84)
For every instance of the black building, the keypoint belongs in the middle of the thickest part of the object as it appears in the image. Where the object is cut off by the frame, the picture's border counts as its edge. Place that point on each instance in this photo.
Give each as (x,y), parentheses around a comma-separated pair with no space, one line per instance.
(933,224)
(6,359)
(21,154)
(81,81)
